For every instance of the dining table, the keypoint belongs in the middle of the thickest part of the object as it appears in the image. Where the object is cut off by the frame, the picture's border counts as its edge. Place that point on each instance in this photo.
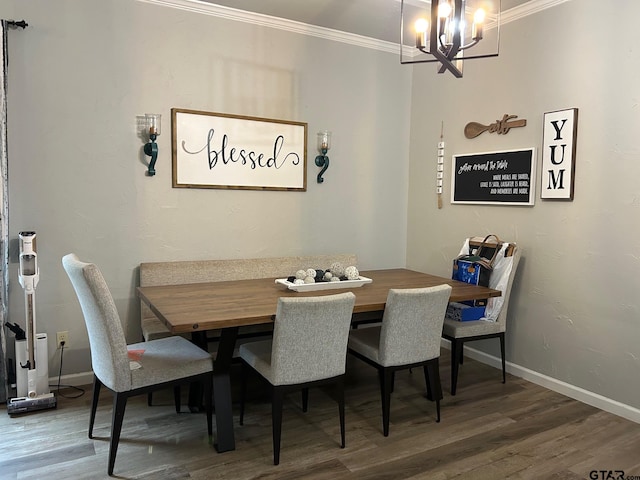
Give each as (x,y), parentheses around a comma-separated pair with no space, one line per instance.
(228,305)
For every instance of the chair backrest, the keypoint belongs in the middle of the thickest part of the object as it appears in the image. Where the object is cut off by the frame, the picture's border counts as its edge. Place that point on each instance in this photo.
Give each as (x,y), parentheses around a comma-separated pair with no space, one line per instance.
(498,306)
(108,345)
(502,316)
(412,325)
(310,337)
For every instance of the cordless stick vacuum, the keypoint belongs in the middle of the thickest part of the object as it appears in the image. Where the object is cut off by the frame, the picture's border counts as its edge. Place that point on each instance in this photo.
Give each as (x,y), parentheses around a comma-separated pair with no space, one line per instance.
(31,353)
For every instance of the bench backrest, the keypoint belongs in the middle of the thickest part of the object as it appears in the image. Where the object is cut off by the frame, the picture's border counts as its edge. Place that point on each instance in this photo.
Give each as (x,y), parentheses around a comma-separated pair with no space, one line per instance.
(181,272)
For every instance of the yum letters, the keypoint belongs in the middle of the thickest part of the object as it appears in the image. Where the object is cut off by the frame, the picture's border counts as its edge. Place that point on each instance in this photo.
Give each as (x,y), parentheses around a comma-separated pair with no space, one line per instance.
(559,154)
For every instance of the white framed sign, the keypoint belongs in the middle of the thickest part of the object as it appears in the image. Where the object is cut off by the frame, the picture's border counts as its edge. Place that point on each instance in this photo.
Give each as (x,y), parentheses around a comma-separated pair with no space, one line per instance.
(559,135)
(217,150)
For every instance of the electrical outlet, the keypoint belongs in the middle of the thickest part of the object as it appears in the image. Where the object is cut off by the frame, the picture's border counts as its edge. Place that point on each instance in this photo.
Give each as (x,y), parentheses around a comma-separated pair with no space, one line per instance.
(62,337)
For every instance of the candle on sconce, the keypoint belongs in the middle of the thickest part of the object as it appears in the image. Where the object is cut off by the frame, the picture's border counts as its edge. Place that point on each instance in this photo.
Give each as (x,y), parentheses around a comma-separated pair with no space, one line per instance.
(324,141)
(153,122)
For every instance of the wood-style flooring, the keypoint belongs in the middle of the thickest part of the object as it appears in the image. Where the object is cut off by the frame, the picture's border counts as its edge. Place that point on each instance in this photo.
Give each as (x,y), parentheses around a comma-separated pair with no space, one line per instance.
(489,430)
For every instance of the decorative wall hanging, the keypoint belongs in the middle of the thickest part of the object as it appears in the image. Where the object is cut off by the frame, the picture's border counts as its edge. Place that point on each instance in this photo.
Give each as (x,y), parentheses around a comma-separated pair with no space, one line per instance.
(440,167)
(499,178)
(501,127)
(217,150)
(322,160)
(559,135)
(151,129)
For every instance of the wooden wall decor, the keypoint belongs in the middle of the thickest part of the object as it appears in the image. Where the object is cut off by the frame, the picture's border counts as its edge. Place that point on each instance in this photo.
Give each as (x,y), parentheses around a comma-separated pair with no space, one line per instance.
(501,127)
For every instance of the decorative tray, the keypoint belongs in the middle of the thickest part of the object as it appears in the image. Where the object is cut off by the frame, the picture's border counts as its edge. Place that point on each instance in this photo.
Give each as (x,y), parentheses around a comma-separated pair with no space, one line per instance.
(310,287)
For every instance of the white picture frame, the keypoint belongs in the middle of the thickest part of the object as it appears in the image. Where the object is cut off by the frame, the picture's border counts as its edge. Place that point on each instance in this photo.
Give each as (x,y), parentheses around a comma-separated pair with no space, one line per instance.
(559,135)
(217,150)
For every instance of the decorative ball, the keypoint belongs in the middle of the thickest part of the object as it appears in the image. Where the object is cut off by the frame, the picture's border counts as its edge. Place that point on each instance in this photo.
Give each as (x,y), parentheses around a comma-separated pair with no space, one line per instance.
(300,274)
(336,269)
(334,279)
(327,276)
(311,272)
(309,279)
(298,281)
(351,273)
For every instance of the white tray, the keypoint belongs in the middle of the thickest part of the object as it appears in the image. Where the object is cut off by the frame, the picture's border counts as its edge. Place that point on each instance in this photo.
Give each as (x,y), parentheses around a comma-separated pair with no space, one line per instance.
(310,287)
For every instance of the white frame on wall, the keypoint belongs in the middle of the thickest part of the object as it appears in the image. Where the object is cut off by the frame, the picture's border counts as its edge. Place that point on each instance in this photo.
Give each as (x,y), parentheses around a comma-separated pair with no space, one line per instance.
(560,130)
(217,150)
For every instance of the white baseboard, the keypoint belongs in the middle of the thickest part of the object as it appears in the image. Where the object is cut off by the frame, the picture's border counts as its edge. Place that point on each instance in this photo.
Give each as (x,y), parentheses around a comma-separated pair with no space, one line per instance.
(75,380)
(577,393)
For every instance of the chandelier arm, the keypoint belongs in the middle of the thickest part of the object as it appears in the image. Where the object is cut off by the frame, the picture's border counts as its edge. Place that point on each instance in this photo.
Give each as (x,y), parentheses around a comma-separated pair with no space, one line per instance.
(464,47)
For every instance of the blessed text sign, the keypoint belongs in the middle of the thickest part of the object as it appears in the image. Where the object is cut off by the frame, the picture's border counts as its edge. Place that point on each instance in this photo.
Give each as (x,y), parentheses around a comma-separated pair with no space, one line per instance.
(503,178)
(215,150)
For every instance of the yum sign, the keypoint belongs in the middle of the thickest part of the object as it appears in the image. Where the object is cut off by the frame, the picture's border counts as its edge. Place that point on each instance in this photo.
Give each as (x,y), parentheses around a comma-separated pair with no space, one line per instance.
(559,154)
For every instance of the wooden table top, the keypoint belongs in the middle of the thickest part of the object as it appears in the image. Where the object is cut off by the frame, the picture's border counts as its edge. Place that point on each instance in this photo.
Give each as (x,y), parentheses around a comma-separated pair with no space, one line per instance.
(209,306)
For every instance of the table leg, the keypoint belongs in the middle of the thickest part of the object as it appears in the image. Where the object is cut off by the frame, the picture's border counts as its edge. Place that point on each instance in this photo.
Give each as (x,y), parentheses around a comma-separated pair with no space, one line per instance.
(222,390)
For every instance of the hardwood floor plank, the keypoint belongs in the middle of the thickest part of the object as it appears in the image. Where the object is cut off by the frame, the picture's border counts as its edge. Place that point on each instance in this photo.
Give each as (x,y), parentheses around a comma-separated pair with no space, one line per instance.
(488,430)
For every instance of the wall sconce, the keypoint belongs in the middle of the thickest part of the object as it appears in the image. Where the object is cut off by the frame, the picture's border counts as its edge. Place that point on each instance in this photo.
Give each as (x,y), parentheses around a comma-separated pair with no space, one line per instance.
(324,144)
(152,126)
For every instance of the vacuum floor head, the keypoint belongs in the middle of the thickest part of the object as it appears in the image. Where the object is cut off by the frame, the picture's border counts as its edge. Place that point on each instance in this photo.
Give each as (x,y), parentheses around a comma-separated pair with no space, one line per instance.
(25,404)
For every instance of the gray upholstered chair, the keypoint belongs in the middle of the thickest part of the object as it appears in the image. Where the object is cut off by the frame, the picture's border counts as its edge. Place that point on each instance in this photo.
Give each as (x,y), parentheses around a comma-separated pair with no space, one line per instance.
(164,363)
(409,336)
(459,333)
(309,348)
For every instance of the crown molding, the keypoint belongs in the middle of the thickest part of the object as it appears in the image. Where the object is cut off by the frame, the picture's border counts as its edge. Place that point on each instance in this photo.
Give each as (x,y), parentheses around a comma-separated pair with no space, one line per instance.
(526,9)
(206,8)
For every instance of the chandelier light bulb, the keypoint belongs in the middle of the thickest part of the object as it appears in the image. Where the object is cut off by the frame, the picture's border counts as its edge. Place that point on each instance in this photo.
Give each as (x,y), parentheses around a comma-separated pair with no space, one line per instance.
(444,10)
(421,25)
(477,29)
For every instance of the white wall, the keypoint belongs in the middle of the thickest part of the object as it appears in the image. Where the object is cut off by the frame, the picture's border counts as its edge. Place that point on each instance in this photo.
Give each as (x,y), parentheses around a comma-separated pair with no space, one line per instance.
(83,71)
(575,309)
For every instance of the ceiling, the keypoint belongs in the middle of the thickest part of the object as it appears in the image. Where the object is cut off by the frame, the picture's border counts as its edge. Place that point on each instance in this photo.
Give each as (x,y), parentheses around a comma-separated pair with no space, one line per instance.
(376,19)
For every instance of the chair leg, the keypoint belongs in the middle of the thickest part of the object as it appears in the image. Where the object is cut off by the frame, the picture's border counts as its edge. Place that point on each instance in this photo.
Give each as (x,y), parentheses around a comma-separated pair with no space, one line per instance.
(243,390)
(208,405)
(176,397)
(276,419)
(386,377)
(456,350)
(305,399)
(502,351)
(340,396)
(427,381)
(119,405)
(94,404)
(149,399)
(434,387)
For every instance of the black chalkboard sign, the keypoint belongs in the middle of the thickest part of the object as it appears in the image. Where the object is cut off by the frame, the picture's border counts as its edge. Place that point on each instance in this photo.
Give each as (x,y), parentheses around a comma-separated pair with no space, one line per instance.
(502,178)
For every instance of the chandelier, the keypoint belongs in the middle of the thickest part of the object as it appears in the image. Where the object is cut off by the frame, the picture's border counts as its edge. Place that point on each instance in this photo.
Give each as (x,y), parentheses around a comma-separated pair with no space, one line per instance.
(448,32)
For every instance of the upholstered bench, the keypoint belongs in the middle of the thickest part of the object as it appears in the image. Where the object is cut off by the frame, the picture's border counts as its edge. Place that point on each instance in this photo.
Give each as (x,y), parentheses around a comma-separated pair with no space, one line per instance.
(202,271)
